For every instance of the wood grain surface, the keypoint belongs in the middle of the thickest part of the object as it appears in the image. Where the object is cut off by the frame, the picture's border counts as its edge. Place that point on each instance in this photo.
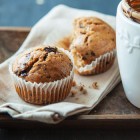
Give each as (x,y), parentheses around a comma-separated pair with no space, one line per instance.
(114,111)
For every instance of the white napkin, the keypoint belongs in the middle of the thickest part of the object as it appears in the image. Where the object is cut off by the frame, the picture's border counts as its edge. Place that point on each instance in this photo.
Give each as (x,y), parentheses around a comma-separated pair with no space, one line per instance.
(10,102)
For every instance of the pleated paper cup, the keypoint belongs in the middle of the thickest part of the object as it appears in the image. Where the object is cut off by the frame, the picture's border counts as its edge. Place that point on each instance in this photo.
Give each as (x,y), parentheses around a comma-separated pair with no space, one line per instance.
(99,65)
(43,93)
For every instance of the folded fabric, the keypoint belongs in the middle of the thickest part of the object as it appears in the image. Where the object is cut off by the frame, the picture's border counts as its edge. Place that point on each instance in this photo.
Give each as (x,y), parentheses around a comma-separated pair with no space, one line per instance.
(11,103)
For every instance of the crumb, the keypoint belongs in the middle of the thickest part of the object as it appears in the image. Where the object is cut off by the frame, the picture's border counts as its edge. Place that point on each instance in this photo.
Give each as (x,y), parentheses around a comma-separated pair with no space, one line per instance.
(81,88)
(82,85)
(95,85)
(84,91)
(73,83)
(73,93)
(77,98)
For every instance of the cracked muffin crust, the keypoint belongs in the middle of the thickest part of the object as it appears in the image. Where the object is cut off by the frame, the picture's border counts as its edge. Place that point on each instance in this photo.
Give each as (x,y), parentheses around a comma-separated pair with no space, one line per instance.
(42,64)
(92,38)
(42,75)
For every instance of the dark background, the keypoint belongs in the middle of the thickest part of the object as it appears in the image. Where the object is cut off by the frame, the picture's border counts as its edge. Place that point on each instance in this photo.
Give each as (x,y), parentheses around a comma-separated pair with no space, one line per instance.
(27,13)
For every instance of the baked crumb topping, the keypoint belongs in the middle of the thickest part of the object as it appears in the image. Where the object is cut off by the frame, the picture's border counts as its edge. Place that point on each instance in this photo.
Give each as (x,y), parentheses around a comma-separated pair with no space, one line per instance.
(92,37)
(42,64)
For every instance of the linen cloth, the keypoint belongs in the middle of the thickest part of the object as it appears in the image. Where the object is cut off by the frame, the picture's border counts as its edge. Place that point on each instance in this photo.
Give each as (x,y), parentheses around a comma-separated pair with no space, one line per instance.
(60,16)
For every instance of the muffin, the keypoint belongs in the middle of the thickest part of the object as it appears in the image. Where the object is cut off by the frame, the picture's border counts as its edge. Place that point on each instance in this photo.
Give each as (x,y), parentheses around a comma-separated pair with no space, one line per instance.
(93,45)
(42,75)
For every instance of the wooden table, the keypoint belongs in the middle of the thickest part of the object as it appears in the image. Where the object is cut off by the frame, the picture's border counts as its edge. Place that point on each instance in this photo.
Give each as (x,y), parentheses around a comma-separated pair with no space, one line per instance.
(113,111)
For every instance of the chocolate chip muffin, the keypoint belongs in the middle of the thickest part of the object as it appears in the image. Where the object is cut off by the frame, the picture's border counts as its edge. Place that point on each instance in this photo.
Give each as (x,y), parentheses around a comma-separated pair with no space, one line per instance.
(93,40)
(45,74)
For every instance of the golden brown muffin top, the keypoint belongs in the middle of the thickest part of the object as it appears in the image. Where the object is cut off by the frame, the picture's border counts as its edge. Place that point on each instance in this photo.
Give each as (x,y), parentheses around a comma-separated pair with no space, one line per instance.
(92,38)
(42,64)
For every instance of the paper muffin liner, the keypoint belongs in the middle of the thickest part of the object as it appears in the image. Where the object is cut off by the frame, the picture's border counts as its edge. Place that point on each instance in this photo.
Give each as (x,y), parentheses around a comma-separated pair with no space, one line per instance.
(99,65)
(43,93)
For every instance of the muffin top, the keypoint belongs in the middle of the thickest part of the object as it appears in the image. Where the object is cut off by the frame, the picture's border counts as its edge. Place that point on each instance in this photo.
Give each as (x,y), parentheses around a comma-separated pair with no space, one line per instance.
(42,64)
(92,38)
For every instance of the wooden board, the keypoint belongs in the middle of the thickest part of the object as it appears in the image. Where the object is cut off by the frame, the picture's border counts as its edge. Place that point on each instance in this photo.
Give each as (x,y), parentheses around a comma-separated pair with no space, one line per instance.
(114,111)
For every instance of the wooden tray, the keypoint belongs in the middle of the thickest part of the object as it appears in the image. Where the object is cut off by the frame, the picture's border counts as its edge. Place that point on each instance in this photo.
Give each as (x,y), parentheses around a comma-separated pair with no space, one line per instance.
(114,111)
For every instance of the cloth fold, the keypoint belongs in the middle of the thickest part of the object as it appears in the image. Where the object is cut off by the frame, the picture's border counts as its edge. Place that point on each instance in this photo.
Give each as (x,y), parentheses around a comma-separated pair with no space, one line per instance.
(11,103)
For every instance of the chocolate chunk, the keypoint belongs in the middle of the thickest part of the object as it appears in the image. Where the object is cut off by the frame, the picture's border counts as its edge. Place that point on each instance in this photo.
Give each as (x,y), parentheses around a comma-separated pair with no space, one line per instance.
(92,53)
(50,49)
(113,39)
(45,56)
(48,76)
(26,71)
(23,73)
(84,58)
(86,39)
(17,72)
(70,64)
(97,23)
(28,55)
(107,63)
